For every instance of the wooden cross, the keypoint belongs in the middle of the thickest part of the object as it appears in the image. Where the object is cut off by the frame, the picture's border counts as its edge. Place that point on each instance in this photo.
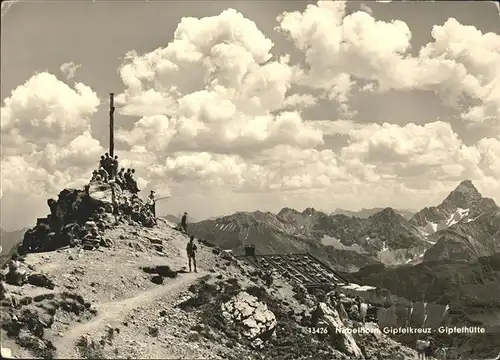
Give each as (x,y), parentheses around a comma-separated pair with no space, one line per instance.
(111,125)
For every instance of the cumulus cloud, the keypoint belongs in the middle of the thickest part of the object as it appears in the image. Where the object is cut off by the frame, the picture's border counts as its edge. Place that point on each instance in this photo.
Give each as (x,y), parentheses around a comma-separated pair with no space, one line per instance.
(300,101)
(69,70)
(45,111)
(460,63)
(419,154)
(216,80)
(489,148)
(281,168)
(226,52)
(46,140)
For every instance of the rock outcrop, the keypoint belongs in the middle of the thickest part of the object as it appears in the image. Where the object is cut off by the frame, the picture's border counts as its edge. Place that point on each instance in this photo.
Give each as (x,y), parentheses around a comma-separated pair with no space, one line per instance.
(78,217)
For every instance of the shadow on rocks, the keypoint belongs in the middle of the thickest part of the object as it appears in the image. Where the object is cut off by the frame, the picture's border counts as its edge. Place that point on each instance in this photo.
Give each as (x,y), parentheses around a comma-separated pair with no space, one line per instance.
(160,272)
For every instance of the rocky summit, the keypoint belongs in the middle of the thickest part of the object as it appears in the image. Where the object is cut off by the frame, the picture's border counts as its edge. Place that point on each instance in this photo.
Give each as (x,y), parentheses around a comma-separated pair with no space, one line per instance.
(101,277)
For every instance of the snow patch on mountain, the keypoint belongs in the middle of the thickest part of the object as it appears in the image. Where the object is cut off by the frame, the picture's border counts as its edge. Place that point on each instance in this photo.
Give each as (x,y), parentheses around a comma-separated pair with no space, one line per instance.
(457,216)
(354,286)
(454,218)
(337,244)
(395,257)
(430,228)
(225,227)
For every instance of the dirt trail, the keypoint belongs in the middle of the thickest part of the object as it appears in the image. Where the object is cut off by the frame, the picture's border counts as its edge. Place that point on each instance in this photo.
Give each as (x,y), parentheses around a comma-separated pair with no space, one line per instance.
(116,311)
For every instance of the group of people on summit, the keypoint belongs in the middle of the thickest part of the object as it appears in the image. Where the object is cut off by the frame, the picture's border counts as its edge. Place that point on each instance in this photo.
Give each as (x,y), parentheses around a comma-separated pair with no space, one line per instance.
(108,171)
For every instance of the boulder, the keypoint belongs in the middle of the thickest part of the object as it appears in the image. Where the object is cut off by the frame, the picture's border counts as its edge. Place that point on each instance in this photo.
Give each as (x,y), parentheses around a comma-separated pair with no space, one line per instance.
(16,277)
(255,318)
(41,280)
(386,317)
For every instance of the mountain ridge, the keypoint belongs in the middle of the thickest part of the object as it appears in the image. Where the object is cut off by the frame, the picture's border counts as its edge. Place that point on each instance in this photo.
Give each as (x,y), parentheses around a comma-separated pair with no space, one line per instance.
(367,212)
(387,235)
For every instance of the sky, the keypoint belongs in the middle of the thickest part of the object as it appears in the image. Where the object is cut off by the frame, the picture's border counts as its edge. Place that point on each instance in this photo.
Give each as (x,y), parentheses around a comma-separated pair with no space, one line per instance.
(242,105)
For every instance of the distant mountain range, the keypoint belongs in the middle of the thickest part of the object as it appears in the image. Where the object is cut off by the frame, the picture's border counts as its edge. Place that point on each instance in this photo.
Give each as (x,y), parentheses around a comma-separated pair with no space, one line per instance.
(366,213)
(464,226)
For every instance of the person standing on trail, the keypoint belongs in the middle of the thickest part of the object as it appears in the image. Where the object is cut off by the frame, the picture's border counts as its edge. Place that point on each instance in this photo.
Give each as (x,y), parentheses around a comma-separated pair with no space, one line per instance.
(191,253)
(183,222)
(152,202)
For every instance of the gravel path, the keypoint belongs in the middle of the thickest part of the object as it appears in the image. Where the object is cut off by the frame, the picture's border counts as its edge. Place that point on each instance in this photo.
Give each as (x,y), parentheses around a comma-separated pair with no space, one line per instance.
(115,312)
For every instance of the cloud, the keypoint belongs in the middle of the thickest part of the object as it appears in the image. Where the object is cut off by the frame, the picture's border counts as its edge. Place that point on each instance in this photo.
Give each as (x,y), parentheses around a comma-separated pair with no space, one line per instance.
(239,134)
(489,148)
(282,168)
(43,174)
(45,111)
(216,80)
(226,51)
(69,70)
(46,140)
(418,154)
(459,64)
(299,101)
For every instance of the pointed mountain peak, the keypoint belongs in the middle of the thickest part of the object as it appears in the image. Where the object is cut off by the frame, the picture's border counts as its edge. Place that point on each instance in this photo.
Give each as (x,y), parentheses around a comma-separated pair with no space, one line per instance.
(387,214)
(287,210)
(466,186)
(309,211)
(464,194)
